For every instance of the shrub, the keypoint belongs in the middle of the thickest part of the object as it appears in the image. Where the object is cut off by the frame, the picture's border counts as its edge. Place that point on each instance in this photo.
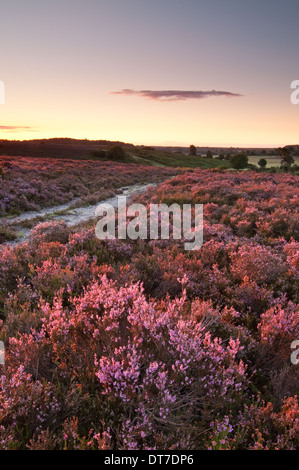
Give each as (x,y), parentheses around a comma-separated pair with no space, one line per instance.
(116,153)
(262,163)
(239,161)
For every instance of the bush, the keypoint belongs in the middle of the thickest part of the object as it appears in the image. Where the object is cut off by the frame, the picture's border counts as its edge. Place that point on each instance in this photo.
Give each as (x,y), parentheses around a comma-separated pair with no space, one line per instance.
(54,231)
(192,150)
(239,161)
(116,153)
(262,163)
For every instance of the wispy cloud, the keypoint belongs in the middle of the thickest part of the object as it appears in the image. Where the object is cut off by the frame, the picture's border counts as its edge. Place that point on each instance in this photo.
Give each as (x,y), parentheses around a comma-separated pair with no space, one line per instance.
(17,128)
(176,95)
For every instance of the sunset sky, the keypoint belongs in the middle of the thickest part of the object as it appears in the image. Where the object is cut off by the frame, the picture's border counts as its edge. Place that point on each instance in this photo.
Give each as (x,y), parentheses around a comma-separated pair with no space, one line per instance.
(153,72)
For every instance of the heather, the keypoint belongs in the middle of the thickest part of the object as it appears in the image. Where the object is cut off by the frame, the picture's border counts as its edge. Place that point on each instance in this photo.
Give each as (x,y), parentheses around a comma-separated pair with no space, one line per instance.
(29,184)
(143,345)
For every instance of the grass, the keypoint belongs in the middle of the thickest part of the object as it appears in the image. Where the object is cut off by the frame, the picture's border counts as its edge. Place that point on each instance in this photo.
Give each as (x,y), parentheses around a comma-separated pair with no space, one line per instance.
(170,159)
(175,159)
(157,158)
(272,161)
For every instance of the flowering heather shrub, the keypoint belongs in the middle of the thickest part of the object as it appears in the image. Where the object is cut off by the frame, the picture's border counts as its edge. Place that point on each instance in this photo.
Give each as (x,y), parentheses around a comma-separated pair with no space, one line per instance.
(31,184)
(292,251)
(50,232)
(259,427)
(25,403)
(10,269)
(257,263)
(142,345)
(150,367)
(279,326)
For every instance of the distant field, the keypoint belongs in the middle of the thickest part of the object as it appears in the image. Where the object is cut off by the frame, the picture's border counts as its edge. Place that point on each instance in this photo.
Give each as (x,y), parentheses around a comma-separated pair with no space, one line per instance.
(271,161)
(176,159)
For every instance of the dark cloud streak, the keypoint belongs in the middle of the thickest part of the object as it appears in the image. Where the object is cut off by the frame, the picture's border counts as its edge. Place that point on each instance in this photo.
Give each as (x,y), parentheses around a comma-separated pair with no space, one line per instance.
(176,95)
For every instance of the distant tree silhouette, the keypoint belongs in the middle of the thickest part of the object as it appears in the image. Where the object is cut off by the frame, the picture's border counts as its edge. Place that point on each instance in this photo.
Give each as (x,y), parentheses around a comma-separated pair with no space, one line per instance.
(116,153)
(192,150)
(262,162)
(239,161)
(286,158)
(209,154)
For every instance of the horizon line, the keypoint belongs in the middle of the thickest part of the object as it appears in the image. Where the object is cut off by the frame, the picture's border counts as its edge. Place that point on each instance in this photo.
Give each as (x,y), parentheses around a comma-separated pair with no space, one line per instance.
(173,145)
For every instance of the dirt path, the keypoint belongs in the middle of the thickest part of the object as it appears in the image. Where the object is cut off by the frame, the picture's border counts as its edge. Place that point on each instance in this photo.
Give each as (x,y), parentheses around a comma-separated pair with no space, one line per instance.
(70,215)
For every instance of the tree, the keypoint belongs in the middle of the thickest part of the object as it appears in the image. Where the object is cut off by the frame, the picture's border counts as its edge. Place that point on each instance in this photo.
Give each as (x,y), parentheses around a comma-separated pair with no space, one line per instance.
(239,161)
(295,169)
(262,162)
(221,156)
(192,150)
(116,153)
(286,158)
(209,154)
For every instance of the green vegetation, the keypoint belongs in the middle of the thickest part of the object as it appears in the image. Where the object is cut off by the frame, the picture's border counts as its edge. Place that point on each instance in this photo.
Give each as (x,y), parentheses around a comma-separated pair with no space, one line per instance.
(239,161)
(116,153)
(286,158)
(272,161)
(262,163)
(152,157)
(176,159)
(192,150)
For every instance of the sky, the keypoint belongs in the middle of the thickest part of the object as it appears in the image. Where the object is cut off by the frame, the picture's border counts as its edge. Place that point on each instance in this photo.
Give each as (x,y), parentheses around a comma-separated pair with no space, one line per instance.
(152,72)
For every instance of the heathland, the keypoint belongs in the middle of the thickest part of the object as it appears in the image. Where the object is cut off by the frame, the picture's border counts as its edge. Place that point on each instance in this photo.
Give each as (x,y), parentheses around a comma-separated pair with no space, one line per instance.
(121,344)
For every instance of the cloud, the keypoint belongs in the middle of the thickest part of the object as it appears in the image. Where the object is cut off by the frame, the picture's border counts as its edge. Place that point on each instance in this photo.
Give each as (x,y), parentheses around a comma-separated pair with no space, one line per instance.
(17,128)
(176,95)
